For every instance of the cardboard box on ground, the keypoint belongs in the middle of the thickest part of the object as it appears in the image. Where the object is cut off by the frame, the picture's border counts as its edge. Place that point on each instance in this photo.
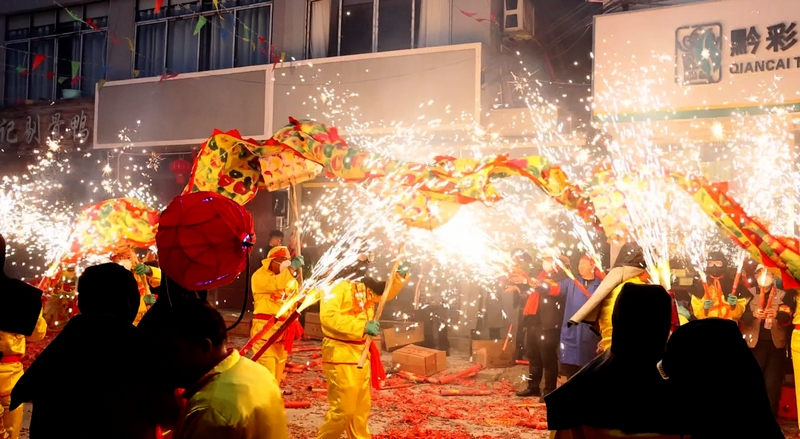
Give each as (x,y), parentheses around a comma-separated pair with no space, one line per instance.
(419,360)
(393,334)
(312,328)
(490,353)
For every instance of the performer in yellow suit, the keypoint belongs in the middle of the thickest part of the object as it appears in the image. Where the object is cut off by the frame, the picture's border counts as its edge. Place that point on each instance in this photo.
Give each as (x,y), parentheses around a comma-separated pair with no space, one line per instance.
(714,297)
(346,316)
(795,346)
(20,321)
(272,284)
(146,277)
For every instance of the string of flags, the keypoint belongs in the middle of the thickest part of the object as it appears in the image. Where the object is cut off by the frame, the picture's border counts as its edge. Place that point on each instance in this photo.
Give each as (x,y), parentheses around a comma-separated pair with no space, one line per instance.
(259,42)
(472,15)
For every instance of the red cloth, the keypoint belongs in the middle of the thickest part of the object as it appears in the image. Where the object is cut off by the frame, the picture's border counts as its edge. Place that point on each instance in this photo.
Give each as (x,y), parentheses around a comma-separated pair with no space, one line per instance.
(8,359)
(295,332)
(532,304)
(377,372)
(203,240)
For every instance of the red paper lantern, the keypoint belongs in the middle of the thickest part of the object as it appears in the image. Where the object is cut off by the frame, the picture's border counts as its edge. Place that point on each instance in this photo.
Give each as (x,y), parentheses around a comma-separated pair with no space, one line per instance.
(203,240)
(181,168)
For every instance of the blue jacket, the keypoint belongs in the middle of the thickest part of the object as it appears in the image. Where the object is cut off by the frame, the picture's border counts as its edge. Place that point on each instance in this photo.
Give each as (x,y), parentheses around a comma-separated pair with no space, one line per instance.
(578,343)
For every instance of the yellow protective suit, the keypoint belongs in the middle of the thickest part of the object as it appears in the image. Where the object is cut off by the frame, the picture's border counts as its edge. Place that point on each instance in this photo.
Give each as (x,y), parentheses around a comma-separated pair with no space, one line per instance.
(607,309)
(344,313)
(721,308)
(795,345)
(237,399)
(10,373)
(145,282)
(269,292)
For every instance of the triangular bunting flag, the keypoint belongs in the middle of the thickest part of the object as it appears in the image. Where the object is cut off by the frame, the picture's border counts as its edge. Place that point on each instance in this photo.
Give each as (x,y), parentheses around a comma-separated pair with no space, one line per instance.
(75,80)
(223,33)
(200,23)
(253,45)
(51,75)
(71,14)
(216,4)
(136,73)
(113,38)
(91,24)
(130,44)
(76,68)
(101,83)
(246,31)
(21,69)
(262,40)
(38,59)
(158,6)
(61,79)
(468,14)
(106,69)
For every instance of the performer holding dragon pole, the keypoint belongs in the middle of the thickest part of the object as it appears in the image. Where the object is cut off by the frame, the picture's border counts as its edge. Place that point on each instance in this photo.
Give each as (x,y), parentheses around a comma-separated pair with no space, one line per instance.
(146,277)
(273,283)
(346,316)
(20,321)
(715,296)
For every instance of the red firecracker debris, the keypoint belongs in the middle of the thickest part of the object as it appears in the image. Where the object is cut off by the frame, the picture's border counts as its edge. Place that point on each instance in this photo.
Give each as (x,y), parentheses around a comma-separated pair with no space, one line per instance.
(468,372)
(523,362)
(398,386)
(297,404)
(468,392)
(309,349)
(414,378)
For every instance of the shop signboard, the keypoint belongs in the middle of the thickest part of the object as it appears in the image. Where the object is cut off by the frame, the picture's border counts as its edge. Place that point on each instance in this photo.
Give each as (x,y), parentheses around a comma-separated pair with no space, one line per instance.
(706,59)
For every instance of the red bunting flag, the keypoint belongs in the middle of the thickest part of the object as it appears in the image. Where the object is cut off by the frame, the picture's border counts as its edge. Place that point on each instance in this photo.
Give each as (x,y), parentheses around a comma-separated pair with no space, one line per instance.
(75,80)
(262,40)
(166,76)
(113,38)
(38,59)
(92,24)
(468,14)
(158,6)
(51,75)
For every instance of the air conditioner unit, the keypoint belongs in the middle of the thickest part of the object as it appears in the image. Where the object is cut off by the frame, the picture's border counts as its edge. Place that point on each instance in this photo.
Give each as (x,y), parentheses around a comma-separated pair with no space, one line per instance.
(518,19)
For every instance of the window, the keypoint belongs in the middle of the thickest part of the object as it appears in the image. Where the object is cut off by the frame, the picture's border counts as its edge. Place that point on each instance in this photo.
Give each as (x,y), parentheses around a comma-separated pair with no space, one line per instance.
(236,35)
(347,27)
(67,44)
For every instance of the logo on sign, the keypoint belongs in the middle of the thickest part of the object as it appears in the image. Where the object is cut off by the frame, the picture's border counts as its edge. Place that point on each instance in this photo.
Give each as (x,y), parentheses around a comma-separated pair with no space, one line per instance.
(698,54)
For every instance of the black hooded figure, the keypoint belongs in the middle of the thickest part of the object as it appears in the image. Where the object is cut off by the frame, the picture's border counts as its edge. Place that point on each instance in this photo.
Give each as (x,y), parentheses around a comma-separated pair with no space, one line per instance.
(90,381)
(21,303)
(622,389)
(717,344)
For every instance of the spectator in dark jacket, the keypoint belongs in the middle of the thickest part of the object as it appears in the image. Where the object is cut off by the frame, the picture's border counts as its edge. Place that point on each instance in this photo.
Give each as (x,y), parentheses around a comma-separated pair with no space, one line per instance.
(542,317)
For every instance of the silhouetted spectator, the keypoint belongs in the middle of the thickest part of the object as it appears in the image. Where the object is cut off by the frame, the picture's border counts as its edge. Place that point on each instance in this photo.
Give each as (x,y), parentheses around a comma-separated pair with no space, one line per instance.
(622,389)
(697,355)
(90,382)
